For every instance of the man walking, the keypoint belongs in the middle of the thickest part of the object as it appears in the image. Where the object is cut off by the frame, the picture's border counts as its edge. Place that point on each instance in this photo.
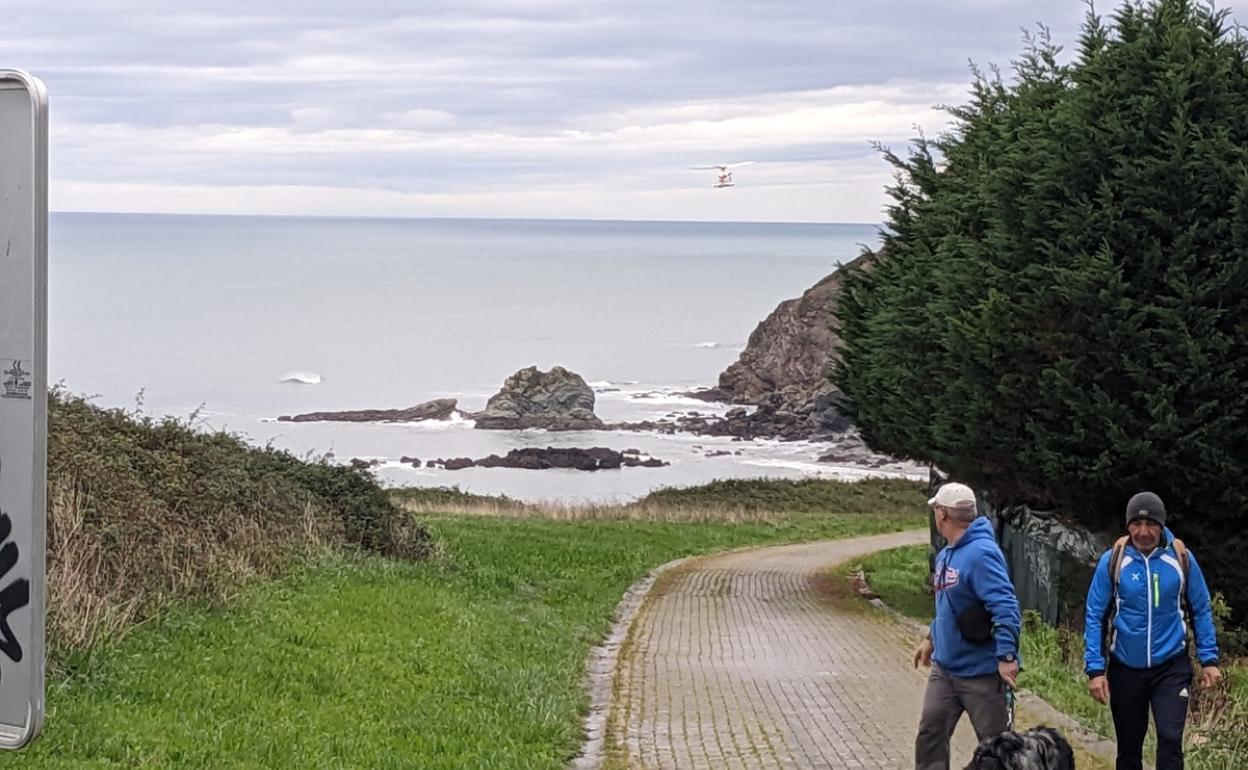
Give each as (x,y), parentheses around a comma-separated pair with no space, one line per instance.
(972,645)
(1145,591)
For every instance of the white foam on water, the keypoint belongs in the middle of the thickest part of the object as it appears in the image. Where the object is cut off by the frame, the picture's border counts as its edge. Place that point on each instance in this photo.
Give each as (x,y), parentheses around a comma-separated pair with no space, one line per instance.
(707,345)
(837,471)
(454,422)
(302,378)
(674,397)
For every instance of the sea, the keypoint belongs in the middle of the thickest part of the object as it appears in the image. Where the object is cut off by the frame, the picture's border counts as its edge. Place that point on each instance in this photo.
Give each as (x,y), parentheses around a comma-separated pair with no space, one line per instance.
(232,321)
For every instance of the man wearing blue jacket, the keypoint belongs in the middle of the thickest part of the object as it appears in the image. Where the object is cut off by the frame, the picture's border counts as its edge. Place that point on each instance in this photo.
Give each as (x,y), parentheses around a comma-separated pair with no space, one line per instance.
(972,645)
(1158,590)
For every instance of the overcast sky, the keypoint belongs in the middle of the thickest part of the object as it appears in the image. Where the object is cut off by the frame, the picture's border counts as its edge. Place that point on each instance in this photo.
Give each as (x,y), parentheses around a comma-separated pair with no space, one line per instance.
(542,108)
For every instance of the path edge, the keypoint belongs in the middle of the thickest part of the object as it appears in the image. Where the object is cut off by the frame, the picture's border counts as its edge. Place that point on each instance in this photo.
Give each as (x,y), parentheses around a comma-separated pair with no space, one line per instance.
(602,665)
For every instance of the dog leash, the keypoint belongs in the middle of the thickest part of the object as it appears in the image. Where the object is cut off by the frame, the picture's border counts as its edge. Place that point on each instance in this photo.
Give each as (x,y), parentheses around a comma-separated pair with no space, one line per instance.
(1009,708)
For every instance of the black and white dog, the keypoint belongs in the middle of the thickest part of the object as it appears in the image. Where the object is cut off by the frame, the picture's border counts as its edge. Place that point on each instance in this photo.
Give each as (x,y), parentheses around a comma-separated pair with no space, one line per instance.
(1041,748)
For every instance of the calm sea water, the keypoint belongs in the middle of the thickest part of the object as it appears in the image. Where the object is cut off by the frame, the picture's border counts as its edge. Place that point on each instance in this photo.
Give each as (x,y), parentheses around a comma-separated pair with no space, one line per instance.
(209,313)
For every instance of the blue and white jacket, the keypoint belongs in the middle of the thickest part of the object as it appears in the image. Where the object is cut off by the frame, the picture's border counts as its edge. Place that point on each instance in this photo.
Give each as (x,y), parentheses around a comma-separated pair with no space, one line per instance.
(973,570)
(1150,626)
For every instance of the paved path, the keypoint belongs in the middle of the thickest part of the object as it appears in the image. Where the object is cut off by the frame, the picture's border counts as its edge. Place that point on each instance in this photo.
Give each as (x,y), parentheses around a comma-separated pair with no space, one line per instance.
(748,661)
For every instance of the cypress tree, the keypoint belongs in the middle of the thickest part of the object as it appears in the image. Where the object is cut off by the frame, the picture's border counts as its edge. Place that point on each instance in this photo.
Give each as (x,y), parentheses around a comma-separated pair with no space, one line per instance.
(1059,311)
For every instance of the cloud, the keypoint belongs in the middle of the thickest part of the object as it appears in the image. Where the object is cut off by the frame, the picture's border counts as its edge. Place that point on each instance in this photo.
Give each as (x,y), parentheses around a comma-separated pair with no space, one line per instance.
(449,100)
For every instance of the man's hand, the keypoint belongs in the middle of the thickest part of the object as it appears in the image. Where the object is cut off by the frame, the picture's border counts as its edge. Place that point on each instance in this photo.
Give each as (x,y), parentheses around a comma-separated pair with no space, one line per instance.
(1098,687)
(1009,672)
(1210,676)
(923,653)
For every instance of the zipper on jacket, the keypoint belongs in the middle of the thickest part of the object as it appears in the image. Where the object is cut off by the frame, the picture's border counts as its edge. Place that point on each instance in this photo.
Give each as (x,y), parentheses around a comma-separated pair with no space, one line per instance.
(1149,570)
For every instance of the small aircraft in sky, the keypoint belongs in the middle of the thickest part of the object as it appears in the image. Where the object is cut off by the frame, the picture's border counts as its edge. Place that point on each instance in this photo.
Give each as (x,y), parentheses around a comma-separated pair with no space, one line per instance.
(724,178)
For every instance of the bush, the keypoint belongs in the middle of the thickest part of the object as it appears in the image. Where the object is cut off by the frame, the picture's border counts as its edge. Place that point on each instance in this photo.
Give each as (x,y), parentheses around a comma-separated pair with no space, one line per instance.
(1059,312)
(143,511)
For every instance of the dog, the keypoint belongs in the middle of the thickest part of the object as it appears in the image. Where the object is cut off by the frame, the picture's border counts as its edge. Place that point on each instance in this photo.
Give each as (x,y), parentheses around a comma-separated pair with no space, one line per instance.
(1041,748)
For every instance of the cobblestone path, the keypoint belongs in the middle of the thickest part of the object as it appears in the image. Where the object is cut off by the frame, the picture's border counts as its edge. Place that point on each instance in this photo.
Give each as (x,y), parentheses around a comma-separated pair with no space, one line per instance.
(756,660)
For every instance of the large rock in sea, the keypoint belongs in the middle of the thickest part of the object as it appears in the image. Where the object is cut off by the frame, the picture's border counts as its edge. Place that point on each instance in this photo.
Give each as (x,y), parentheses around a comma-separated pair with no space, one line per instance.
(784,367)
(554,400)
(438,409)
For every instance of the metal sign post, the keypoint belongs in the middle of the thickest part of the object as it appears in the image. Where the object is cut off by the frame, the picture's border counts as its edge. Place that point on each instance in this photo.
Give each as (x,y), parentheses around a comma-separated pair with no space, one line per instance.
(23,402)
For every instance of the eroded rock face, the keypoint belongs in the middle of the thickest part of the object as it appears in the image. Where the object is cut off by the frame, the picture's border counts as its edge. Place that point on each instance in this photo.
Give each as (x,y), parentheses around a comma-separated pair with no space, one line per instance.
(772,419)
(784,367)
(438,409)
(554,400)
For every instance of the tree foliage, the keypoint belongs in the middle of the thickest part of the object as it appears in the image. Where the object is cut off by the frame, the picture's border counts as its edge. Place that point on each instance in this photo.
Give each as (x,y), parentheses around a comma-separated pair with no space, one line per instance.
(1059,311)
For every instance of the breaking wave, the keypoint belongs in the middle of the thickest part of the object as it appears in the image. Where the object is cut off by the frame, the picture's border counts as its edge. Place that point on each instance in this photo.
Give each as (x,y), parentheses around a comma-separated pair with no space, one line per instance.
(303,378)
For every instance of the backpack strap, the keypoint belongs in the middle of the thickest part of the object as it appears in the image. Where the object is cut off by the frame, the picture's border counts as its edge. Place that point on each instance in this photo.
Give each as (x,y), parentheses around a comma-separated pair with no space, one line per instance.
(1111,609)
(1180,550)
(1115,564)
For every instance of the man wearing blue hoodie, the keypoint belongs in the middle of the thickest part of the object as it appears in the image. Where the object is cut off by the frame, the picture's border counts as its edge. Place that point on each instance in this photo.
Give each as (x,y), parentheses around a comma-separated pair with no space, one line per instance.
(972,645)
(1147,590)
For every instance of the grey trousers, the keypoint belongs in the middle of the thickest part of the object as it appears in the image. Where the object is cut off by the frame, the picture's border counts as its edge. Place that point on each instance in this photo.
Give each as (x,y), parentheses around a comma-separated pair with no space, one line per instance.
(981,697)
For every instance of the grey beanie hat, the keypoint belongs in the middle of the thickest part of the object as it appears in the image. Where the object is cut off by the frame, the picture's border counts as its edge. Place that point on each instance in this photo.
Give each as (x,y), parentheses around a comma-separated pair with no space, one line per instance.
(1146,505)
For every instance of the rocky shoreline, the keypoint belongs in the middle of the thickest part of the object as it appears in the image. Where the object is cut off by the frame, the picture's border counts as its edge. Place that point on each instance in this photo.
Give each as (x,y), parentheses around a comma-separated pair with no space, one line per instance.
(778,389)
(540,459)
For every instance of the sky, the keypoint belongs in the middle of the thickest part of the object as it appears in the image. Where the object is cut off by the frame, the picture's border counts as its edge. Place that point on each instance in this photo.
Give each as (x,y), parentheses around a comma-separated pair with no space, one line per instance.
(487,108)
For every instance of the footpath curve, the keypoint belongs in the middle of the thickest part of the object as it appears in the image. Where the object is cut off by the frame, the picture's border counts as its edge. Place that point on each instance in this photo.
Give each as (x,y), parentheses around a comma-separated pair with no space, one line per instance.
(758,659)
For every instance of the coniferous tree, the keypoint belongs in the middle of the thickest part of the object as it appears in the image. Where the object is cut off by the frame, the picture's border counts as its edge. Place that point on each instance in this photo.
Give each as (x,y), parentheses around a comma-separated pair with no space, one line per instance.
(1059,312)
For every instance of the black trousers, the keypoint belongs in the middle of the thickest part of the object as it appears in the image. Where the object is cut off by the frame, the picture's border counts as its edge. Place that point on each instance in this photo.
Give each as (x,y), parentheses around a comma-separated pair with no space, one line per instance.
(1132,691)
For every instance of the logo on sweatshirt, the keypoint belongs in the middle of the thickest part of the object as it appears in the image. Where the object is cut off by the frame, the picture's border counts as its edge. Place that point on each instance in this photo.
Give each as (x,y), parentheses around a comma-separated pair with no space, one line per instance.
(947,578)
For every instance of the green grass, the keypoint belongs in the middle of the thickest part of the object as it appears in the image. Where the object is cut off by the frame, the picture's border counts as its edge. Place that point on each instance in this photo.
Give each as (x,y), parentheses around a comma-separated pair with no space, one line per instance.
(1053,668)
(892,573)
(473,659)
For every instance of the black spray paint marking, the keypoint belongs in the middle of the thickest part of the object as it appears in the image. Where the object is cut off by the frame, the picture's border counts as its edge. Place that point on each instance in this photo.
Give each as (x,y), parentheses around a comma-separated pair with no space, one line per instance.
(15,594)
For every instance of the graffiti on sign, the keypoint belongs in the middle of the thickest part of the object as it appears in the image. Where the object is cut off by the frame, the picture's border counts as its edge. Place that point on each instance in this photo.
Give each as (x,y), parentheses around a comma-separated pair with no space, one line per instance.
(18,380)
(15,594)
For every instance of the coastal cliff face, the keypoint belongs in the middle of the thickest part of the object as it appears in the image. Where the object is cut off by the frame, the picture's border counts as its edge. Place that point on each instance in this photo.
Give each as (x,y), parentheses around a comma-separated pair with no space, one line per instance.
(784,367)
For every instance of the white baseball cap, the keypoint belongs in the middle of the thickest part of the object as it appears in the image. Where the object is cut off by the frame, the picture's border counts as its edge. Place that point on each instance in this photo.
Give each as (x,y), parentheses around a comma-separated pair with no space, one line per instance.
(953,495)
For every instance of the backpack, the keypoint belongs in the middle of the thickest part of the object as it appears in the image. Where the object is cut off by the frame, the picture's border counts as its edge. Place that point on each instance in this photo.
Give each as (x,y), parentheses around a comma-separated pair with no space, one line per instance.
(1115,573)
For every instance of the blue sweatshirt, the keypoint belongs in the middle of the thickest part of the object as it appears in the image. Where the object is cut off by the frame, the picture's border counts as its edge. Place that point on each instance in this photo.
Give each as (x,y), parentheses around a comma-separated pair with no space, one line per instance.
(1149,625)
(973,570)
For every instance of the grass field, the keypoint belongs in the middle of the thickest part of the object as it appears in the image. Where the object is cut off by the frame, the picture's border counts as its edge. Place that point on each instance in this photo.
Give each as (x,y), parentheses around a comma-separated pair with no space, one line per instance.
(1217,735)
(471,659)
